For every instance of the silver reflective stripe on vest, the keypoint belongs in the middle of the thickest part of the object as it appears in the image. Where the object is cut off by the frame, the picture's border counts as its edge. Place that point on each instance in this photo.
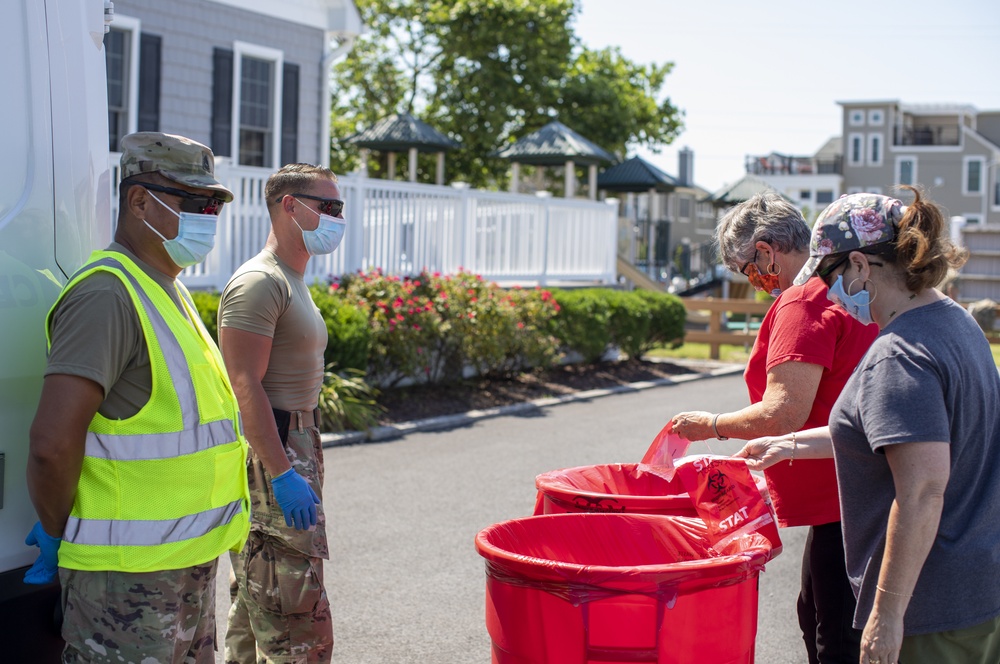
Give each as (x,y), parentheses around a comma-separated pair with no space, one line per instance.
(180,376)
(108,532)
(160,445)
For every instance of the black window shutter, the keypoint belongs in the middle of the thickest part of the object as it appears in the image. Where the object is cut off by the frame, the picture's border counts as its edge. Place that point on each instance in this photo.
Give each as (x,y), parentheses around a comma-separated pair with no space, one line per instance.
(222,102)
(290,114)
(149,82)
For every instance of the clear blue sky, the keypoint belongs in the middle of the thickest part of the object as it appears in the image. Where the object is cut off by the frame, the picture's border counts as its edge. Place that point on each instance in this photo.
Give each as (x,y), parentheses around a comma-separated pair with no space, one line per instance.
(759,76)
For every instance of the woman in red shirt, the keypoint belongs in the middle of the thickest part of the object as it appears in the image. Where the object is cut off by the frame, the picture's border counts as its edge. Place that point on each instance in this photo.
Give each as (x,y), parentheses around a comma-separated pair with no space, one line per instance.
(805,351)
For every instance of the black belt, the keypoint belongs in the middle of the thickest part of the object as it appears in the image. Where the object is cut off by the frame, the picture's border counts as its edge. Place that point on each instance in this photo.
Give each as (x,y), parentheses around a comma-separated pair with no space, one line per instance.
(284,419)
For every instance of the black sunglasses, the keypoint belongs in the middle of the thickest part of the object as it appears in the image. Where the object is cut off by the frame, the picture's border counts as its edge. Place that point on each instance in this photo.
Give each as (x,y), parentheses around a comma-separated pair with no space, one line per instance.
(743,270)
(331,206)
(196,203)
(823,274)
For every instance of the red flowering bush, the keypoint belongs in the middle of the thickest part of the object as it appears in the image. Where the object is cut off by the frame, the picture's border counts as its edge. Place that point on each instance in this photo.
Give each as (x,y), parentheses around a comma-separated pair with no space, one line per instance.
(430,327)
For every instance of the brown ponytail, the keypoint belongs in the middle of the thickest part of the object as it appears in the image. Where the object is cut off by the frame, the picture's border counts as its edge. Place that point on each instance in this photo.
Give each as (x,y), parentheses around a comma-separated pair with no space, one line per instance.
(923,248)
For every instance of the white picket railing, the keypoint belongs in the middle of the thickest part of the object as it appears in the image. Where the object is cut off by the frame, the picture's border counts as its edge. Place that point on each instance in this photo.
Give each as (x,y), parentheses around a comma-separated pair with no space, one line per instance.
(403,228)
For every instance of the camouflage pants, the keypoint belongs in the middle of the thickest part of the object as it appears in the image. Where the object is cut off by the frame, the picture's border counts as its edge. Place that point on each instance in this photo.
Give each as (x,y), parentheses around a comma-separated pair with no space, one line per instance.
(280,612)
(149,618)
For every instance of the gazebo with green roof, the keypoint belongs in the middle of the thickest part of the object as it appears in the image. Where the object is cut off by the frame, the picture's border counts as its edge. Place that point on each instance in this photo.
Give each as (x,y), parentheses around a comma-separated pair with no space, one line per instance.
(555,144)
(402,132)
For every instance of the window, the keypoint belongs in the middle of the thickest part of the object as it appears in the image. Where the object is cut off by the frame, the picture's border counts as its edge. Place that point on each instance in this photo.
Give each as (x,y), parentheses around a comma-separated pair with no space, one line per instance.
(855,150)
(906,170)
(256,111)
(824,197)
(247,104)
(874,149)
(255,106)
(684,207)
(876,117)
(121,54)
(856,118)
(972,179)
(973,218)
(805,194)
(996,191)
(854,190)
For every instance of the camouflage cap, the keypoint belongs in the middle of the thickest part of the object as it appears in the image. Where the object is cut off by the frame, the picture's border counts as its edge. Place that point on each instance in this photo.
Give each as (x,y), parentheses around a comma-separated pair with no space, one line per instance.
(852,222)
(176,158)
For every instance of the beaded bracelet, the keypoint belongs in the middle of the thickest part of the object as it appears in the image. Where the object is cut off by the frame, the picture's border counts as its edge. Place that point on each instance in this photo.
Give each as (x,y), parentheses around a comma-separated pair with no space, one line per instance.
(795,446)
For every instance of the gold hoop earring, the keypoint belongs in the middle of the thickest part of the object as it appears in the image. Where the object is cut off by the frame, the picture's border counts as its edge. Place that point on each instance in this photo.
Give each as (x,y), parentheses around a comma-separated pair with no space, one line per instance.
(864,286)
(770,269)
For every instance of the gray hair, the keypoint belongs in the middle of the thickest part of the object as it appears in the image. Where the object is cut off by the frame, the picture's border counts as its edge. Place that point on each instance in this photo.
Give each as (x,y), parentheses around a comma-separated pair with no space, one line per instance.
(765,217)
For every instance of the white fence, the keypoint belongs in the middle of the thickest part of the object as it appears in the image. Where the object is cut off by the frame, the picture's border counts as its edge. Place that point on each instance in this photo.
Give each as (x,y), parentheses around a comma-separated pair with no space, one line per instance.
(404,228)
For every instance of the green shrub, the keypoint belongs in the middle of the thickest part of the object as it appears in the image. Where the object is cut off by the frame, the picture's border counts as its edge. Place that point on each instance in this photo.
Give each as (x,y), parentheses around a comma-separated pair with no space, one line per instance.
(347,402)
(349,338)
(208,308)
(667,318)
(582,322)
(629,320)
(593,319)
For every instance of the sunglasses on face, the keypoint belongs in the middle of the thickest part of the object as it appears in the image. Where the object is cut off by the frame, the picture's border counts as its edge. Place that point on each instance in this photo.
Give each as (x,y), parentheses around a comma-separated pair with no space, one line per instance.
(827,274)
(331,206)
(196,203)
(743,270)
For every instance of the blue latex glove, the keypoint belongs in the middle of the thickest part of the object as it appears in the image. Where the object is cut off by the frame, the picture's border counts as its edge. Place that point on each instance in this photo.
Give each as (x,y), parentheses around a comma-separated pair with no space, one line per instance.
(46,567)
(296,498)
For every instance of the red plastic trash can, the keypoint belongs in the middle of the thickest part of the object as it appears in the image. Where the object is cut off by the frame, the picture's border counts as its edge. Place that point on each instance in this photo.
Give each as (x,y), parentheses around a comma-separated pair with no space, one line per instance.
(582,588)
(625,487)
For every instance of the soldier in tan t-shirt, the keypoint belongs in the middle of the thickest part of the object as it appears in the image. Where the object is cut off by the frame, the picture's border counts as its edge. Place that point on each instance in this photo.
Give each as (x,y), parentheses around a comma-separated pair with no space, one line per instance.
(273,338)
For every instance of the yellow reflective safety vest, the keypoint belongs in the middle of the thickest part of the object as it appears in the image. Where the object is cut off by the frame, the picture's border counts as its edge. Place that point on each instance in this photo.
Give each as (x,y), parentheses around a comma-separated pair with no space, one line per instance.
(167,487)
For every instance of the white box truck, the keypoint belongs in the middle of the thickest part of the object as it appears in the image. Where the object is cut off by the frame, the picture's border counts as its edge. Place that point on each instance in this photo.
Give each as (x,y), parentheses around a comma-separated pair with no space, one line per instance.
(54,210)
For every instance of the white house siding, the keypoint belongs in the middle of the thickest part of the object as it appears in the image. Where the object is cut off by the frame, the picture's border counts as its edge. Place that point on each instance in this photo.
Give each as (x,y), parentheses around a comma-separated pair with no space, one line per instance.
(191,29)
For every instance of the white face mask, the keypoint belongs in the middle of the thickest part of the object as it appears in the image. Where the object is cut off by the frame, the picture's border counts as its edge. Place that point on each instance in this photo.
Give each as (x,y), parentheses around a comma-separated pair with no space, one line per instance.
(326,237)
(195,236)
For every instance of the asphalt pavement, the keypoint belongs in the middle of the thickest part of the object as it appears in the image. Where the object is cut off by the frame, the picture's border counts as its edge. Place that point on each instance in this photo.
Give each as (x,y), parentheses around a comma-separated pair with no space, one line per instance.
(404,579)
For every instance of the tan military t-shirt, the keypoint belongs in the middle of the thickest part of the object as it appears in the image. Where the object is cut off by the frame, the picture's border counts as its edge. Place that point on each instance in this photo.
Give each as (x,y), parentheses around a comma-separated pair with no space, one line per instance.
(267,297)
(96,334)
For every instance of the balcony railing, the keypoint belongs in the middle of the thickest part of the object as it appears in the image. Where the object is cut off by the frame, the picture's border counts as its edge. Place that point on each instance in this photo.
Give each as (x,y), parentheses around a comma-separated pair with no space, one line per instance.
(927,135)
(794,166)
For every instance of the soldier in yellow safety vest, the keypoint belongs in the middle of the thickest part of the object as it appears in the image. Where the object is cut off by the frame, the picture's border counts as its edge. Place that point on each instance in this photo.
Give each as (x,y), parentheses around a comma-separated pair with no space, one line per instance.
(137,463)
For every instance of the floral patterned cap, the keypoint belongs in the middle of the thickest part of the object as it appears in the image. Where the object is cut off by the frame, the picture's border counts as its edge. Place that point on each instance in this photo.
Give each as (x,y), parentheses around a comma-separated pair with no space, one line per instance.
(850,223)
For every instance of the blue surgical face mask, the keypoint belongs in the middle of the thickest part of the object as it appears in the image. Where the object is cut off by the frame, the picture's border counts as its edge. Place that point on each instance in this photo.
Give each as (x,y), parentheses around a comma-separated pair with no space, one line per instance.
(857,305)
(326,237)
(195,236)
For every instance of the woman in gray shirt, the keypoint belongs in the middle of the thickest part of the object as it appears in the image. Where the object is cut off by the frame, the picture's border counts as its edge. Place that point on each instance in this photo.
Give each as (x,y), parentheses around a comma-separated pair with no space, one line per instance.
(915,435)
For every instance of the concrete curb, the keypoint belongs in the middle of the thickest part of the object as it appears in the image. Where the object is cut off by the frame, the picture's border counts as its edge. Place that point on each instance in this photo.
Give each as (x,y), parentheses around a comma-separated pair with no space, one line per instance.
(383,433)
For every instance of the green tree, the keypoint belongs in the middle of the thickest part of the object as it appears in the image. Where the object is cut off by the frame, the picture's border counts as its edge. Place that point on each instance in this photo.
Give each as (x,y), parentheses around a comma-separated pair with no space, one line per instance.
(487,72)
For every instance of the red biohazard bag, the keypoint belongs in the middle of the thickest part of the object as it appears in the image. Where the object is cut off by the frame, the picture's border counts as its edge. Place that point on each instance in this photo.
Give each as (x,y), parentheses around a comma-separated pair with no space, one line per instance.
(666,447)
(726,497)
